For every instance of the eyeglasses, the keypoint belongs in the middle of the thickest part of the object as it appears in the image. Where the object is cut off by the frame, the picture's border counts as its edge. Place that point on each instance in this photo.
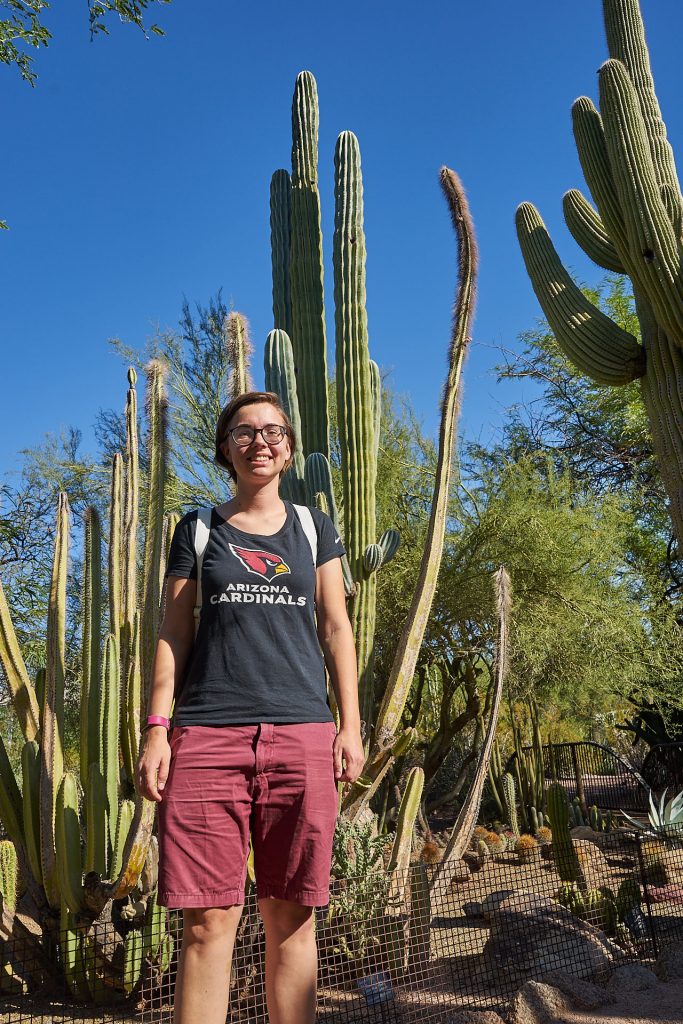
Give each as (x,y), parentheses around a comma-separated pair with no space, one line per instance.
(243,434)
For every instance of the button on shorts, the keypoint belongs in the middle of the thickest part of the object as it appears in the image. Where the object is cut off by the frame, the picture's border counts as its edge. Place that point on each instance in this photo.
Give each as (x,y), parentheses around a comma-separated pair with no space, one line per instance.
(271,780)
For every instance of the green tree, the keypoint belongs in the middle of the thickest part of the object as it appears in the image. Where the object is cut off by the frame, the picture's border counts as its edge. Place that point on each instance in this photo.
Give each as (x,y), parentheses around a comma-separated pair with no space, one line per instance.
(22,29)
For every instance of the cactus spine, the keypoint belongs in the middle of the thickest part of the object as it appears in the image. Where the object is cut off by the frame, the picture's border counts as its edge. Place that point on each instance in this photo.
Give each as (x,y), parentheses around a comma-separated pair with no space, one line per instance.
(635,229)
(306,267)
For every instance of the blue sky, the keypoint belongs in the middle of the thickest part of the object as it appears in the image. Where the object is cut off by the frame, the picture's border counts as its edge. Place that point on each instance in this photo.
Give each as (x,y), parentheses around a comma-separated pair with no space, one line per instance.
(136,173)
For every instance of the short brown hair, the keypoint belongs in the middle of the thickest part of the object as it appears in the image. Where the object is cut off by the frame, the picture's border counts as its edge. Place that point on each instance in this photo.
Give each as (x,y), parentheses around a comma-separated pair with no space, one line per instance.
(231,410)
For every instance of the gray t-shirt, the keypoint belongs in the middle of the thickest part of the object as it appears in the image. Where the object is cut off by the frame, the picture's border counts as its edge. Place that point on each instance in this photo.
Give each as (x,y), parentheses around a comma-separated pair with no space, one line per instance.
(256,657)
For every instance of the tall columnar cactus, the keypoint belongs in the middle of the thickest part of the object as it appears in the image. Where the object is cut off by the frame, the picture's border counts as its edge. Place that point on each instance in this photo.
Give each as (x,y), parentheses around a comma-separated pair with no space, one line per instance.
(281,379)
(306,266)
(280,242)
(43,819)
(92,617)
(239,350)
(634,228)
(355,411)
(565,856)
(510,793)
(151,600)
(52,744)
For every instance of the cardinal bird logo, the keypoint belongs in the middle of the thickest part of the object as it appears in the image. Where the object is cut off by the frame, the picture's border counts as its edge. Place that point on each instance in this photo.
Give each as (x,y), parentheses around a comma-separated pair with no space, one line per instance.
(262,563)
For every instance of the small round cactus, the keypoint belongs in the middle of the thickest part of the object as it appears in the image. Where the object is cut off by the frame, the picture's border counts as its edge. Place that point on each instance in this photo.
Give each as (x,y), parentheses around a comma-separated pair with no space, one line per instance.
(527,849)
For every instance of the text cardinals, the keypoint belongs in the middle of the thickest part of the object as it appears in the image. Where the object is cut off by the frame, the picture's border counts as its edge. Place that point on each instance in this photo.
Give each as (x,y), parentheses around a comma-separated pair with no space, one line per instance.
(257,593)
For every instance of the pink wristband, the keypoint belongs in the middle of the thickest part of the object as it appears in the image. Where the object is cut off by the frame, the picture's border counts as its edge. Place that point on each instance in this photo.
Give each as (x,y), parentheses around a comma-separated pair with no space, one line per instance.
(157,720)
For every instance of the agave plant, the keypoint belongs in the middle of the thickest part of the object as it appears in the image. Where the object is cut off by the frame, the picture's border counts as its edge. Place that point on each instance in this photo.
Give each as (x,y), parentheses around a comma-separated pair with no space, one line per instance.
(666,820)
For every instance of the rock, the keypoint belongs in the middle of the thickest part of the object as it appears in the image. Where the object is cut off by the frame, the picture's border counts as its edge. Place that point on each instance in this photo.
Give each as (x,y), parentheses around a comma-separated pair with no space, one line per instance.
(593,863)
(537,1003)
(631,978)
(669,965)
(582,994)
(531,935)
(475,1017)
(473,911)
(491,902)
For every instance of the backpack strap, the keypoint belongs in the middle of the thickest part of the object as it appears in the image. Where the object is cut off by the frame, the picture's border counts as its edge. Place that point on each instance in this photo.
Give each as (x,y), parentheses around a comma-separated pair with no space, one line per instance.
(306,520)
(201,539)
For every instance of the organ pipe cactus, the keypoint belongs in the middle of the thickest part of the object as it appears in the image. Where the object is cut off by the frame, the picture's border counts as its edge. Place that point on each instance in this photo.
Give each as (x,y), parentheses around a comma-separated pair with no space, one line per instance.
(355,413)
(634,228)
(45,820)
(281,379)
(306,266)
(359,419)
(280,241)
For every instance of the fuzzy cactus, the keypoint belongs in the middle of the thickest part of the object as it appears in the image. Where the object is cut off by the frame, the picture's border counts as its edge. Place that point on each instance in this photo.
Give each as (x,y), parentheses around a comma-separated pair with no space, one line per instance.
(635,229)
(510,794)
(527,849)
(239,350)
(8,873)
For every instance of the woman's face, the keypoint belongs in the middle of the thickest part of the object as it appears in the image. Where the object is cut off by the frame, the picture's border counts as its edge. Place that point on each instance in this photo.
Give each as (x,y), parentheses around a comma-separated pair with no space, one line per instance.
(257,459)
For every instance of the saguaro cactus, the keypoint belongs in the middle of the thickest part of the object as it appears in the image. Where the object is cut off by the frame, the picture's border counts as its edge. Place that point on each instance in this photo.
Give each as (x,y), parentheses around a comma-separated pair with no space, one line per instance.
(635,228)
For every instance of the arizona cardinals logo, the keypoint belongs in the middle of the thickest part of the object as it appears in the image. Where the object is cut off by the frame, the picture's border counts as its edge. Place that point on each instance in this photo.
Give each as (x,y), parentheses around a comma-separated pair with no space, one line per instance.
(262,563)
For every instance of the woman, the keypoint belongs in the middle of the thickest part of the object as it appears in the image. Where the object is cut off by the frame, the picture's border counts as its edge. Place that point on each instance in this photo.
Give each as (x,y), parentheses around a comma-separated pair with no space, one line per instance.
(253,749)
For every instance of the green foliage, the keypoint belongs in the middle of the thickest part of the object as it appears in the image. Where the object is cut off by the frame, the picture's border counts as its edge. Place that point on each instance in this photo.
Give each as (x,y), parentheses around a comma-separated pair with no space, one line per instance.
(634,229)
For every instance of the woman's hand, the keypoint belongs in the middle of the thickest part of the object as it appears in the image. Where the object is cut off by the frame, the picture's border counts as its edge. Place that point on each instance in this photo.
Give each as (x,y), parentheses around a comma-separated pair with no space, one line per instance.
(153,763)
(349,756)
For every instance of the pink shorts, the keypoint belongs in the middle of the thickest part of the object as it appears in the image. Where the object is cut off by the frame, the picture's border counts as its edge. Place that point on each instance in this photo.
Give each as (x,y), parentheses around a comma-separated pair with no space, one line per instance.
(225,782)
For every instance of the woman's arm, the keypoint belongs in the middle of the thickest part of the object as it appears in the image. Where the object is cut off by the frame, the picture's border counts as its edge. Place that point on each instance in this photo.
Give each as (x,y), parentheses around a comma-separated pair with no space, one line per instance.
(176,637)
(336,640)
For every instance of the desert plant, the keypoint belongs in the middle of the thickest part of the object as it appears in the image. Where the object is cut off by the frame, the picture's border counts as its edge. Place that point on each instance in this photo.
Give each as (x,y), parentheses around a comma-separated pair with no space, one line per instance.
(527,849)
(634,229)
(81,842)
(664,819)
(564,853)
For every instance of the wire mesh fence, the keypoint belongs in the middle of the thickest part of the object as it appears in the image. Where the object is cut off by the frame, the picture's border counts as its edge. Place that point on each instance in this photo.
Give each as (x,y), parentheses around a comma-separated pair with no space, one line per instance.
(595,773)
(409,946)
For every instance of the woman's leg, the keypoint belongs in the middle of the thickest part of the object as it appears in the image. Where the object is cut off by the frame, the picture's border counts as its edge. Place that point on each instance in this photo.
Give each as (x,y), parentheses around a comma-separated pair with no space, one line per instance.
(203,981)
(291,961)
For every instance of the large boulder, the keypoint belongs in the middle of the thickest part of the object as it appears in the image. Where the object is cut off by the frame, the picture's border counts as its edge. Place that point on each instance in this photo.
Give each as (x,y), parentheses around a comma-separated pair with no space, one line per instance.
(532,935)
(670,962)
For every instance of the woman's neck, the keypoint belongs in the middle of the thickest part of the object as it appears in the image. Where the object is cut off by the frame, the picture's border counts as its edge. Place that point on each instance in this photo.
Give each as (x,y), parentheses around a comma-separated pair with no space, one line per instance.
(264,500)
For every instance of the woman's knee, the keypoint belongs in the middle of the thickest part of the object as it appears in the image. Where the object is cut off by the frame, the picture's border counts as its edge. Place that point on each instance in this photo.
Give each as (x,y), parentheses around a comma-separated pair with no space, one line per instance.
(207,926)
